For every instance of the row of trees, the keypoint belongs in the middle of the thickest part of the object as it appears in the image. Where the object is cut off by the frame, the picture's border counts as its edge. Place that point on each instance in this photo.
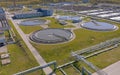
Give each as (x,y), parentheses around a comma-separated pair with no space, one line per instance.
(105,1)
(57,0)
(10,2)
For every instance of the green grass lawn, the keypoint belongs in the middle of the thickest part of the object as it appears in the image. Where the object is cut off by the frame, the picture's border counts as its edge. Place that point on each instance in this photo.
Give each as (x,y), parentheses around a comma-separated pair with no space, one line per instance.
(55,24)
(21,59)
(29,29)
(61,52)
(52,24)
(70,70)
(107,58)
(69,26)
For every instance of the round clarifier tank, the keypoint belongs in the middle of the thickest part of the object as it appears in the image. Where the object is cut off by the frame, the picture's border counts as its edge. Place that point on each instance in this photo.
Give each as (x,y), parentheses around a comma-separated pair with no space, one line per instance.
(99,26)
(51,36)
(33,22)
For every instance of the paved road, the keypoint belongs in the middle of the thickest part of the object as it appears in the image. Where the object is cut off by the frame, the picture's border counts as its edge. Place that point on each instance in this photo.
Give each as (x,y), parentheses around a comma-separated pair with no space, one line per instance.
(113,69)
(37,56)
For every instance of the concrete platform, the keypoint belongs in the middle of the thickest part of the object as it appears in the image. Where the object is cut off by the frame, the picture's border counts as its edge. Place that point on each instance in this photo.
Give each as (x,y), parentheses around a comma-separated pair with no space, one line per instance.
(3,56)
(113,69)
(5,61)
(3,49)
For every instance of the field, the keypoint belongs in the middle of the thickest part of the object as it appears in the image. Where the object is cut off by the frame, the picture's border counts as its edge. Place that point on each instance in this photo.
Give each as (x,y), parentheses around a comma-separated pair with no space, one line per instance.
(21,58)
(53,24)
(19,61)
(61,52)
(29,29)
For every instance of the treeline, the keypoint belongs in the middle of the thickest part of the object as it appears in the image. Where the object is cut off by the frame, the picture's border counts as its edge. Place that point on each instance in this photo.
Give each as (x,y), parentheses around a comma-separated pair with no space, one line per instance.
(105,1)
(38,0)
(110,1)
(26,2)
(23,2)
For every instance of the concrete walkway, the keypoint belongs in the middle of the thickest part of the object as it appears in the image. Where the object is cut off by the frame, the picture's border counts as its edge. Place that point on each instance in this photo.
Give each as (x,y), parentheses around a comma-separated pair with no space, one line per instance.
(3,49)
(37,56)
(113,69)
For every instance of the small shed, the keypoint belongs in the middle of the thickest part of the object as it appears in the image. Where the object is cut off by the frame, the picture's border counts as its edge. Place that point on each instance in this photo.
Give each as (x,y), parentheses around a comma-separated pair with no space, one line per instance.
(62,22)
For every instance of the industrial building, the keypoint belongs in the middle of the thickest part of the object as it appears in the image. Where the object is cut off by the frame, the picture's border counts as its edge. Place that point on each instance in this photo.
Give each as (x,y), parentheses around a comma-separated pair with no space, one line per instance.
(39,13)
(3,26)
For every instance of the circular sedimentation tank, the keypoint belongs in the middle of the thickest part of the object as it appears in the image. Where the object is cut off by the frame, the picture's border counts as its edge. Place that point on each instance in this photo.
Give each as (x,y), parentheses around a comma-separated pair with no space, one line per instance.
(99,26)
(33,22)
(51,36)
